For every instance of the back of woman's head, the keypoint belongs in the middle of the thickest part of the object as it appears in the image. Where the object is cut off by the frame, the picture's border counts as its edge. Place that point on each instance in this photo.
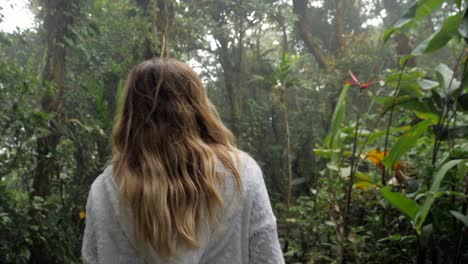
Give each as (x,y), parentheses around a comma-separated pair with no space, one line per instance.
(166,142)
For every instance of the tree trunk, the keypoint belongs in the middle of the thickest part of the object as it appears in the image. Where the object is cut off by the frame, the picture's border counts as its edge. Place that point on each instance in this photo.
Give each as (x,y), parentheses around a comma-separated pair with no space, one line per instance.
(157,40)
(232,94)
(56,22)
(284,45)
(231,58)
(58,18)
(288,154)
(340,16)
(232,91)
(299,8)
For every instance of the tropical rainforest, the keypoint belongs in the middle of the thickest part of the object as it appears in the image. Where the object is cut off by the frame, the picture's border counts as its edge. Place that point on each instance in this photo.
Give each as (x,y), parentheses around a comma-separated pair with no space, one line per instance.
(356,111)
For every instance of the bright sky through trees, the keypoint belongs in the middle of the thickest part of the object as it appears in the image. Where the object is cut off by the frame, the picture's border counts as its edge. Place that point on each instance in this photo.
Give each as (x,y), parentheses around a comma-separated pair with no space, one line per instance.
(15,14)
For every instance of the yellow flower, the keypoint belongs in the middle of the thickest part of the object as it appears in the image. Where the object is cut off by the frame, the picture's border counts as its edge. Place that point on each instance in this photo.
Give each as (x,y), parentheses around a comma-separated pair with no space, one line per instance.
(82,215)
(376,157)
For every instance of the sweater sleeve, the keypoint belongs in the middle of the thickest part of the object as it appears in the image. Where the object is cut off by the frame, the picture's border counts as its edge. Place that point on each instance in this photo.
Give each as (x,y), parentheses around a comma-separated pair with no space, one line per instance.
(264,246)
(89,246)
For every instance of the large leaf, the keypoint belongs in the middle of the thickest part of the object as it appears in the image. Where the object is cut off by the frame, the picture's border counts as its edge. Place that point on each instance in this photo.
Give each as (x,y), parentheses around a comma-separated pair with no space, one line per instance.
(326,153)
(338,115)
(417,12)
(284,67)
(421,105)
(461,172)
(439,39)
(405,143)
(441,174)
(407,82)
(426,84)
(410,76)
(431,195)
(425,108)
(406,205)
(446,79)
(379,134)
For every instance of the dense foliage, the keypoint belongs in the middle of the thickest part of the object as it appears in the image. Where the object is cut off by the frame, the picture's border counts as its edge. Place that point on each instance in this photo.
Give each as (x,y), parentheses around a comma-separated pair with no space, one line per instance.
(360,128)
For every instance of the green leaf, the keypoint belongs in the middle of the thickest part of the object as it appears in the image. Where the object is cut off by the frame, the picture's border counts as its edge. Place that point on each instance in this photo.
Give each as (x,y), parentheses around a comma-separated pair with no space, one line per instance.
(405,143)
(365,185)
(407,82)
(427,84)
(439,39)
(431,195)
(461,171)
(441,174)
(406,205)
(405,59)
(333,138)
(426,108)
(326,153)
(407,78)
(445,76)
(379,134)
(388,33)
(463,218)
(418,11)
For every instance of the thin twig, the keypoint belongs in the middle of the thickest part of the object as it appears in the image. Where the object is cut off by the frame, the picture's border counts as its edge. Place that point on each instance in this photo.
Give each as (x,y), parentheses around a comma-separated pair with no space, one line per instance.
(387,133)
(351,176)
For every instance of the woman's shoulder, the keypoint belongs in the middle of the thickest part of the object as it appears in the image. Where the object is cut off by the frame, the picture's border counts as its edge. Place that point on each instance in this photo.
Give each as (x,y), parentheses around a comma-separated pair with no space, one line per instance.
(246,158)
(249,169)
(102,179)
(103,189)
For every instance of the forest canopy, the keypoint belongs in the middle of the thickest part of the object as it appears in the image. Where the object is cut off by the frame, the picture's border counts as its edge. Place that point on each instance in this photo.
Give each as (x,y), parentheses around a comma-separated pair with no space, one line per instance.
(356,111)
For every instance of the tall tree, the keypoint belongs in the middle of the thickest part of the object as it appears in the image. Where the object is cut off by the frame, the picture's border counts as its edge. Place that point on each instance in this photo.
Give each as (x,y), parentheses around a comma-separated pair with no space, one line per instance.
(58,18)
(228,24)
(394,10)
(57,21)
(340,15)
(161,13)
(300,9)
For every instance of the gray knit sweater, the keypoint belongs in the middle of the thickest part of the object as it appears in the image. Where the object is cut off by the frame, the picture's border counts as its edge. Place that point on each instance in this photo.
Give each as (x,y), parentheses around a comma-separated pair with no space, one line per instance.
(247,233)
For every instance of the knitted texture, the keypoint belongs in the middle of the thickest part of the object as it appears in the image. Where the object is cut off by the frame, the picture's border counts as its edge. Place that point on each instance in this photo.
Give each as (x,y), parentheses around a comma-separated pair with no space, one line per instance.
(247,232)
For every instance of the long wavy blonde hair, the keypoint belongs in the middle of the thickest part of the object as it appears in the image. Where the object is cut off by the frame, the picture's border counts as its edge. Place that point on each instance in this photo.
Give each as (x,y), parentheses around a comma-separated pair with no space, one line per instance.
(167,140)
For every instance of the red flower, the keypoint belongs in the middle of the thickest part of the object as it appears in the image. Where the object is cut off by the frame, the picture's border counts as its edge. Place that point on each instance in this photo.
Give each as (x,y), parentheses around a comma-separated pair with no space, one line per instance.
(356,82)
